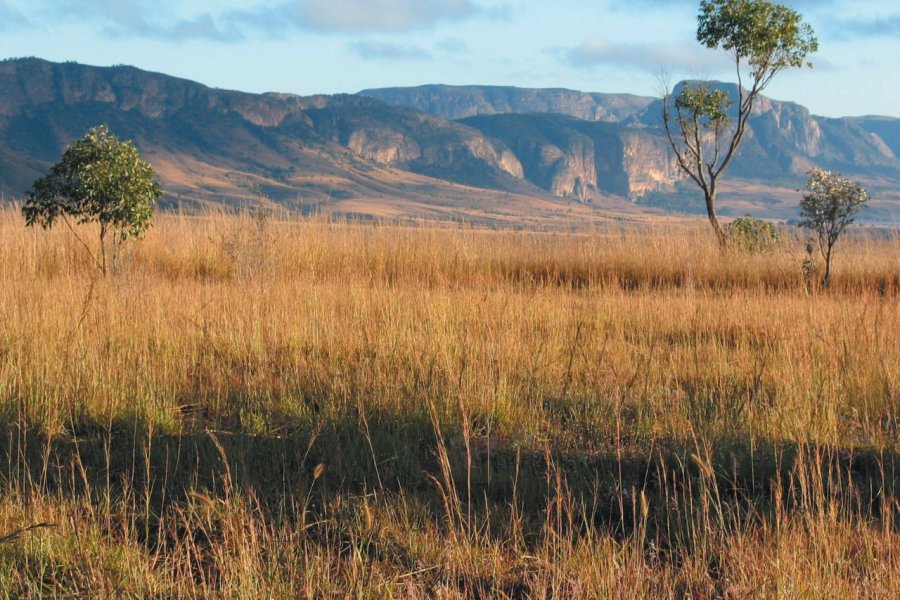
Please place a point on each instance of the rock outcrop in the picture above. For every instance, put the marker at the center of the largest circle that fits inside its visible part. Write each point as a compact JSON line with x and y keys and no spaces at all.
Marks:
{"x":570,"y":157}
{"x":885,"y":129}
{"x":216,"y":145}
{"x":459,"y":102}
{"x":281,"y":137}
{"x":783,"y":140}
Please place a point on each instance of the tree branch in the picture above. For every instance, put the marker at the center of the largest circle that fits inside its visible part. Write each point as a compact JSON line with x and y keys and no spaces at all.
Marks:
{"x":679,"y":156}
{"x":81,"y":241}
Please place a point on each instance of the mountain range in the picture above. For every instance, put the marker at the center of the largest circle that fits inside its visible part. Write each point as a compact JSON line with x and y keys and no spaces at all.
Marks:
{"x":476,"y":153}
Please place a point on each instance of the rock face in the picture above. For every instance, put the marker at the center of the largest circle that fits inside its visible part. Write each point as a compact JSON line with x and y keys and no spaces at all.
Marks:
{"x":552,"y":158}
{"x":459,"y":102}
{"x":648,"y":163}
{"x":783,"y":140}
{"x":213,"y":145}
{"x":570,"y":157}
{"x":414,"y":141}
{"x":885,"y":129}
{"x":32,"y":82}
{"x":280,"y":137}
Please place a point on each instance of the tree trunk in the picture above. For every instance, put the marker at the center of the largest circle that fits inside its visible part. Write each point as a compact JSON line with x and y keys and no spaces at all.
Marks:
{"x":103,"y":248}
{"x":826,"y":278}
{"x":714,"y":220}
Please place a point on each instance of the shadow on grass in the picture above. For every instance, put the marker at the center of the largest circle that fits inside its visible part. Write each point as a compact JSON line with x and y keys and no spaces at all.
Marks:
{"x":400,"y":454}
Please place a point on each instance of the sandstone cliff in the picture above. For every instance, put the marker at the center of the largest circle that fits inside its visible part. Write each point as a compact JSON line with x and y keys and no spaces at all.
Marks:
{"x":212,"y":145}
{"x":570,"y":157}
{"x":783,"y":140}
{"x":288,"y":141}
{"x":458,"y":102}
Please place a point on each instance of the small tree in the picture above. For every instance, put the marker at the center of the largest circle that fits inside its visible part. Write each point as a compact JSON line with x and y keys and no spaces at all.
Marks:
{"x":98,"y":180}
{"x":762,"y":38}
{"x":828,"y":208}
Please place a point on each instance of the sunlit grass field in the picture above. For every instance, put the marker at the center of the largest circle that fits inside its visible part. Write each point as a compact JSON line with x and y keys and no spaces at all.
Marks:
{"x":253,"y":406}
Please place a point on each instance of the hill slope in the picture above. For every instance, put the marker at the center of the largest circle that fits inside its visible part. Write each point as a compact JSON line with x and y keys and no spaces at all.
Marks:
{"x":357,"y":154}
{"x":575,"y":142}
{"x":345,"y":153}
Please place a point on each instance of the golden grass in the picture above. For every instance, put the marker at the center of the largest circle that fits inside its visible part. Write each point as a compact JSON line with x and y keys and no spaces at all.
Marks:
{"x":622,"y":412}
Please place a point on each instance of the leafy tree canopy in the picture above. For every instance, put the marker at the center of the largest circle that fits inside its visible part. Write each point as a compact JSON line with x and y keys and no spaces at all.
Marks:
{"x":769,"y":36}
{"x":706,"y":107}
{"x":98,"y":180}
{"x":831,"y":203}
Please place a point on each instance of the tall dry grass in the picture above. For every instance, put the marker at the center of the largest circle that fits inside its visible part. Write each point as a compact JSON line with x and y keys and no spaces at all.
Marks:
{"x":254,"y":406}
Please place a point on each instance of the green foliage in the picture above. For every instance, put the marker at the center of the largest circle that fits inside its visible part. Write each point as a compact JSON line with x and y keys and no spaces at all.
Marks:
{"x":99,"y":180}
{"x":703,"y":107}
{"x":769,"y":36}
{"x":828,"y":208}
{"x":831,"y":202}
{"x":752,"y":235}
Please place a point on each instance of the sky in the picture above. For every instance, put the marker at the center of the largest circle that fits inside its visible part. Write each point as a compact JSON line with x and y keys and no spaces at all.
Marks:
{"x":335,"y":46}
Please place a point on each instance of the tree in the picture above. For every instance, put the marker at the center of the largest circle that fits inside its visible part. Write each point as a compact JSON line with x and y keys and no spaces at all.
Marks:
{"x":98,"y":180}
{"x":828,"y":208}
{"x":762,"y":38}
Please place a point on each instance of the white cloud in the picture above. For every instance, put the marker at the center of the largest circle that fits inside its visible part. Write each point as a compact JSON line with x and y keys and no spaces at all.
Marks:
{"x":378,"y":15}
{"x":886,"y":26}
{"x":652,"y":57}
{"x":662,"y":4}
{"x":146,"y":18}
{"x":387,"y":51}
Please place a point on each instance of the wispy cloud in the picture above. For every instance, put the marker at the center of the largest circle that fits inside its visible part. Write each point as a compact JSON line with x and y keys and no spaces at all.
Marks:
{"x":652,"y":57}
{"x":880,"y":26}
{"x":203,"y":27}
{"x":145,"y":18}
{"x":124,"y":14}
{"x":665,"y":4}
{"x":138,"y":18}
{"x":387,"y":51}
{"x":377,"y":15}
{"x":10,"y":17}
{"x":453,"y":46}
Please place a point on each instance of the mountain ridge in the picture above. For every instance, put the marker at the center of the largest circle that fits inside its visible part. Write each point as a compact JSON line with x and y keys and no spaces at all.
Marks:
{"x":458,"y":102}
{"x":358,"y":154}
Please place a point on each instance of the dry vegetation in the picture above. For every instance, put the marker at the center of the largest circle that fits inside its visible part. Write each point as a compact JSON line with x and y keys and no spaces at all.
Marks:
{"x":257,"y":408}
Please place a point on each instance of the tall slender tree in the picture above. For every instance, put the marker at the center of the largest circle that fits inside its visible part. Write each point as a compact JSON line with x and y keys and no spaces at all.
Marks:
{"x":705,"y":126}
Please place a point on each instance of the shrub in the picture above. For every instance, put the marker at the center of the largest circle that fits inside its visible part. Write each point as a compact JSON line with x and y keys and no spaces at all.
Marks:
{"x":752,"y":235}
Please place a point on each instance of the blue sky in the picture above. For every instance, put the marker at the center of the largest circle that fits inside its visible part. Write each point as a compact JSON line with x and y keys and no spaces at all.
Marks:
{"x":329,"y":46}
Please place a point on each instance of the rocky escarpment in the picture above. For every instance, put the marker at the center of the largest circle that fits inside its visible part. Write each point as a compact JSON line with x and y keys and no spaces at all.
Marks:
{"x":570,"y":157}
{"x":32,"y":82}
{"x":459,"y":102}
{"x":784,"y":140}
{"x":415,"y":141}
{"x":886,"y":129}
{"x":648,"y":163}
{"x":45,"y":105}
{"x":226,"y":146}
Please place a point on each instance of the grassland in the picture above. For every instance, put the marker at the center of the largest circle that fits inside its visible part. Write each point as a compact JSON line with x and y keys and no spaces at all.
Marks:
{"x":253,"y":407}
